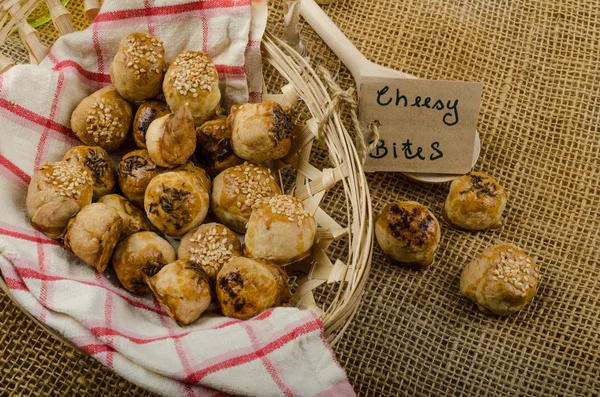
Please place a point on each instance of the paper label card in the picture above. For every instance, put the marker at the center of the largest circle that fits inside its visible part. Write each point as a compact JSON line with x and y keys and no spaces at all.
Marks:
{"x":425,"y":126}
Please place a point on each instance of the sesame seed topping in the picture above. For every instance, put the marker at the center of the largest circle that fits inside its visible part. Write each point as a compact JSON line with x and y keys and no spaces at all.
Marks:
{"x":146,"y":50}
{"x":192,"y":71}
{"x":289,"y":208}
{"x":516,"y":270}
{"x":101,"y":123}
{"x":250,"y":186}
{"x":211,"y":252}
{"x":67,"y":178}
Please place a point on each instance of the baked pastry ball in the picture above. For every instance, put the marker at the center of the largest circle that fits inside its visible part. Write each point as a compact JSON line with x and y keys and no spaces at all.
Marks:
{"x":134,"y":219}
{"x":176,"y":202}
{"x":280,"y":230}
{"x":501,"y":281}
{"x":93,"y":234}
{"x":213,"y":147}
{"x":171,"y":139}
{"x":198,"y":172}
{"x":138,"y":67}
{"x":182,"y":289}
{"x":192,"y":79}
{"x":146,"y":114}
{"x":97,"y":161}
{"x":475,"y":202}
{"x":142,"y":253}
{"x":210,"y":246}
{"x":408,"y":233}
{"x":260,"y":131}
{"x":102,"y":119}
{"x":56,"y":193}
{"x":136,"y":170}
{"x":237,"y":189}
{"x":247,"y":287}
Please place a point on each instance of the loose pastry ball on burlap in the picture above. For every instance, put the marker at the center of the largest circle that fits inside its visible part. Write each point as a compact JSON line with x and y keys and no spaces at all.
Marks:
{"x":56,"y":193}
{"x":210,"y":246}
{"x":280,"y":230}
{"x":182,"y":289}
{"x":145,"y":115}
{"x":134,"y":219}
{"x":93,"y":234}
{"x":260,"y":131}
{"x":97,"y":161}
{"x":136,"y":170}
{"x":192,"y":79}
{"x":198,"y":172}
{"x":176,"y":202}
{"x":247,"y":287}
{"x":408,"y":233}
{"x":501,"y":281}
{"x":102,"y":119}
{"x":138,"y":67}
{"x":171,"y":139}
{"x":143,"y":253}
{"x":213,"y":148}
{"x":475,"y":202}
{"x":237,"y":189}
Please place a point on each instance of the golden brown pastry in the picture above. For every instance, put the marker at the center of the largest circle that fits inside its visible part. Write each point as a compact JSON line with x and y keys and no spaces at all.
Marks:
{"x":171,"y":139}
{"x":134,"y":219}
{"x":93,"y":234}
{"x":138,"y":67}
{"x":176,"y":202}
{"x":192,"y":79}
{"x":182,"y":289}
{"x":210,"y":246}
{"x":237,"y":189}
{"x":475,"y":202}
{"x":260,"y":131}
{"x":102,"y":119}
{"x":408,"y":233}
{"x":247,"y":287}
{"x":97,"y":161}
{"x":198,"y":172}
{"x":213,"y":147}
{"x":146,"y":114}
{"x":142,"y":253}
{"x":280,"y":230}
{"x":136,"y":170}
{"x":501,"y":281}
{"x":56,"y":193}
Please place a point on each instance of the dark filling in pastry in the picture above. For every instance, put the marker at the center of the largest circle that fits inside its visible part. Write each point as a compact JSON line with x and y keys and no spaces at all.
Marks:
{"x":411,"y":226}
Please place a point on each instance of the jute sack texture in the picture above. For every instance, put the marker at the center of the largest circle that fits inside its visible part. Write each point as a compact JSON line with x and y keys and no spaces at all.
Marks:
{"x":539,"y":123}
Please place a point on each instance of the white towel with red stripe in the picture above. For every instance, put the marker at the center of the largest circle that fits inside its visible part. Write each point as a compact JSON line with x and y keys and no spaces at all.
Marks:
{"x":280,"y":352}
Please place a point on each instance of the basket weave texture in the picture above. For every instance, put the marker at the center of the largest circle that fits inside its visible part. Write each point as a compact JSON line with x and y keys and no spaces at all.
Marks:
{"x":540,"y":130}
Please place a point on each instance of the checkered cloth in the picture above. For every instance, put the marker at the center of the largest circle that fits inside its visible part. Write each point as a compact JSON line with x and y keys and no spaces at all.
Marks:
{"x":280,"y":352}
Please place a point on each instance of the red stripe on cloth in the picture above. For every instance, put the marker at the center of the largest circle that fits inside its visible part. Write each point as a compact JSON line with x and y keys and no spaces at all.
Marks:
{"x":204,"y":31}
{"x":105,"y":331}
{"x":19,"y":285}
{"x":167,"y":10}
{"x":42,"y":145}
{"x":267,"y":363}
{"x":226,"y":69}
{"x":22,"y":236}
{"x":98,"y":77}
{"x":12,"y":167}
{"x":311,"y":326}
{"x":36,"y":118}
{"x":181,"y":354}
{"x":25,"y":272}
{"x":96,"y":348}
{"x":108,"y":306}
{"x":148,"y":7}
{"x":97,"y":47}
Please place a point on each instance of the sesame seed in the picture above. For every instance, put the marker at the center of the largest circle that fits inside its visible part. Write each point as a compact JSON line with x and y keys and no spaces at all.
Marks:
{"x":66,"y":178}
{"x":192,"y":69}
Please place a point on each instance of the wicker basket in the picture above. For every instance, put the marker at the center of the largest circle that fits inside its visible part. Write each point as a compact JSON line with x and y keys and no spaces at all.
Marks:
{"x":331,"y":287}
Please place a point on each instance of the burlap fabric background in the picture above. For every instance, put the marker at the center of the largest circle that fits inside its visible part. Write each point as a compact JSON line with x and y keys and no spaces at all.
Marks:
{"x":540,"y":131}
